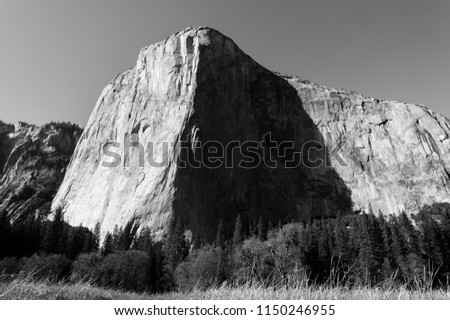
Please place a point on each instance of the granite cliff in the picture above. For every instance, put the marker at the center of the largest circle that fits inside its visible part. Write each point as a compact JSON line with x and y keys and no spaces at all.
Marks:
{"x":397,"y":154}
{"x":197,"y":86}
{"x":33,"y":161}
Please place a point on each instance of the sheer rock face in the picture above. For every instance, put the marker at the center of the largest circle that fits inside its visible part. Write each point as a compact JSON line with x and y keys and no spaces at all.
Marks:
{"x":33,"y":161}
{"x":197,"y":86}
{"x":397,"y":154}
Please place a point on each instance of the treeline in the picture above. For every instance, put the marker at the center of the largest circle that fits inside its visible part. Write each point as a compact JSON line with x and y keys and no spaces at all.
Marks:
{"x":356,"y":250}
{"x":64,"y":124}
{"x":41,"y":248}
{"x":35,"y":234}
{"x":53,"y":250}
{"x":364,"y":249}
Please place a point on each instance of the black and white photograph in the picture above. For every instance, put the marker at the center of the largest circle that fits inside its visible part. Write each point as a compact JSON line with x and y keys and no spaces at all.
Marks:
{"x":163,"y":150}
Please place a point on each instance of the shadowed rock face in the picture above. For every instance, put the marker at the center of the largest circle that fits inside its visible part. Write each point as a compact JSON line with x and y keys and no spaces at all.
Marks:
{"x":33,"y":161}
{"x":197,"y":86}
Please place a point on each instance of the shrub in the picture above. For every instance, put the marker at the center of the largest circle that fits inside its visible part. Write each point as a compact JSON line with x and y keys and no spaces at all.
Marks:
{"x":54,"y":267}
{"x":9,"y":266}
{"x":125,"y":269}
{"x":204,"y":268}
{"x":256,"y":260}
{"x":86,"y":267}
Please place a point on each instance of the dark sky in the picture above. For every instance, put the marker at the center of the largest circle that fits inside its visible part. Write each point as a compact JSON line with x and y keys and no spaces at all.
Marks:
{"x":57,"y":56}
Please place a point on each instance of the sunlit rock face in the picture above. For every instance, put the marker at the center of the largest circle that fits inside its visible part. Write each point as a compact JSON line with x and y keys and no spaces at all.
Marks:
{"x":33,"y":161}
{"x":197,"y":86}
{"x":397,"y":154}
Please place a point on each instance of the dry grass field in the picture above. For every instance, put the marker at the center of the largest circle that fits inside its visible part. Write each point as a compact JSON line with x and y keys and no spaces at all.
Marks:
{"x":29,"y":290}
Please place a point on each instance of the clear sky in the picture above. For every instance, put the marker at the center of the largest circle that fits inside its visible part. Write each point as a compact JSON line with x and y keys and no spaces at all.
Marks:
{"x":57,"y":56}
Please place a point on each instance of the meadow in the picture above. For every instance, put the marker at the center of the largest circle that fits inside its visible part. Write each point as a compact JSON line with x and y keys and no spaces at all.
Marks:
{"x":26,"y":289}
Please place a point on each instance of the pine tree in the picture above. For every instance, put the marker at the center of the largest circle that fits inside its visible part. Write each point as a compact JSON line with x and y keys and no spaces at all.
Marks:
{"x":376,"y":240}
{"x":432,"y":241}
{"x":252,"y":229}
{"x":108,"y":245}
{"x":409,"y":233}
{"x":262,"y":232}
{"x":434,"y":224}
{"x":322,"y":239}
{"x":89,"y":242}
{"x":143,"y":241}
{"x":323,"y":252}
{"x":5,"y":234}
{"x":196,"y":242}
{"x":64,"y":239}
{"x":399,"y":247}
{"x":220,"y":236}
{"x":238,"y":236}
{"x":175,"y":248}
{"x":353,"y":238}
{"x":18,"y":238}
{"x":54,"y":233}
{"x":370,"y":257}
{"x":157,"y":279}
{"x":127,"y":235}
{"x":386,"y":248}
{"x":33,"y":235}
{"x":445,"y":232}
{"x":116,"y":235}
{"x":280,"y":224}
{"x":270,"y":225}
{"x":310,"y":255}
{"x":330,"y":236}
{"x":370,"y":211}
{"x":342,"y":239}
{"x":75,"y":242}
{"x":97,"y":236}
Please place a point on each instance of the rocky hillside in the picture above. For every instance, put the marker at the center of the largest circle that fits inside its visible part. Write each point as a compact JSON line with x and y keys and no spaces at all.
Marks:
{"x":197,"y":86}
{"x":33,"y":161}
